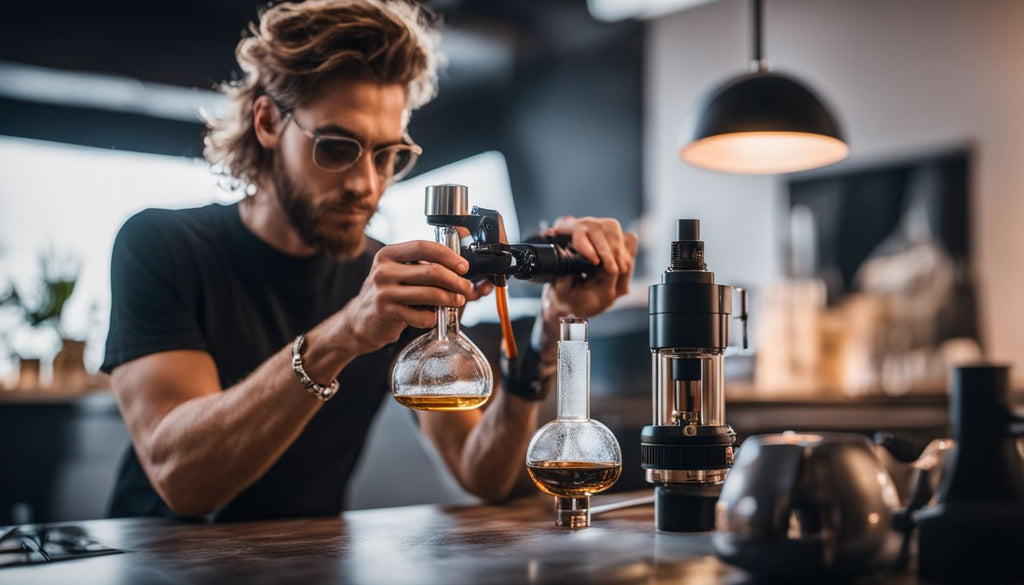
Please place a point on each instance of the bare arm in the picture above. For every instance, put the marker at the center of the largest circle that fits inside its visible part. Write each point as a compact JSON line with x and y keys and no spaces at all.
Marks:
{"x":200,"y":446}
{"x":486,"y":449}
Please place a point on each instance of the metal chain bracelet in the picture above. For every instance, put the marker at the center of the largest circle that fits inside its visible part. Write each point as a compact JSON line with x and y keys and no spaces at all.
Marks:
{"x":324,"y":393}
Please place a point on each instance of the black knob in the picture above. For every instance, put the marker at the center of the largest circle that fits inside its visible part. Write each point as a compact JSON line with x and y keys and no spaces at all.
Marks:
{"x":687,"y":230}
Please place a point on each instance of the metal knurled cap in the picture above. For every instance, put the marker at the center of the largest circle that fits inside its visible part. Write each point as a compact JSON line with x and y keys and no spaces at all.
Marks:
{"x":446,"y":199}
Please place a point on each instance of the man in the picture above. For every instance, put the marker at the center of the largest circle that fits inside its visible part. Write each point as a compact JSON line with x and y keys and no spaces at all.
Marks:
{"x":209,"y":304}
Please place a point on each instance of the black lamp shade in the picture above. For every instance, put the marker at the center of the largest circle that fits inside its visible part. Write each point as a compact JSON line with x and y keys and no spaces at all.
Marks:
{"x":762,"y":123}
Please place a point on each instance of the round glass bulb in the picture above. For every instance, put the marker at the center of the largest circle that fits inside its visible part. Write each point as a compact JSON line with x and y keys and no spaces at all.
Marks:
{"x":574,"y":458}
{"x":442,"y":373}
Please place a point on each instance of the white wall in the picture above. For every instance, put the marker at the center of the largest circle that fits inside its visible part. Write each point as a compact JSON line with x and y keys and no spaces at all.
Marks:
{"x":905,"y":77}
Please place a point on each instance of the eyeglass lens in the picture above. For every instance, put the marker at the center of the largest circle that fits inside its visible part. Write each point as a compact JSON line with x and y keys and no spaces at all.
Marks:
{"x":336,"y":154}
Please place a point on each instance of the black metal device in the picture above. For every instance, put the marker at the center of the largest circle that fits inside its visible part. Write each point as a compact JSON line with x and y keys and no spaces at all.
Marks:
{"x":975,"y":531}
{"x":539,"y":259}
{"x":688,"y":449}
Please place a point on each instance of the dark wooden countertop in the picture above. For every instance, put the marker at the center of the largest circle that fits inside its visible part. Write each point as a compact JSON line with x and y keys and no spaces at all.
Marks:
{"x":514,"y":543}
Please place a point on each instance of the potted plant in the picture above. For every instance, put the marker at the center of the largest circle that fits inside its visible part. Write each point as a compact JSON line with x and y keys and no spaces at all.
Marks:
{"x":44,"y":310}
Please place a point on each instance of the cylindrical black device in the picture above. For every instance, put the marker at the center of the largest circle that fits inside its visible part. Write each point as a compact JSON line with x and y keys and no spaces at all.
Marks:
{"x":984,"y":463}
{"x":539,"y":259}
{"x":546,"y":262}
{"x":533,"y":262}
{"x":975,"y":530}
{"x":688,"y":449}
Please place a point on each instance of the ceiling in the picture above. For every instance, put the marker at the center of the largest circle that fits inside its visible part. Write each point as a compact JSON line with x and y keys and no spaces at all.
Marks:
{"x":190,"y":43}
{"x":558,"y":92}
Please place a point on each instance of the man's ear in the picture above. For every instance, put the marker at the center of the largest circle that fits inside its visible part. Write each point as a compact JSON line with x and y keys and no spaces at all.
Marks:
{"x":266,"y":120}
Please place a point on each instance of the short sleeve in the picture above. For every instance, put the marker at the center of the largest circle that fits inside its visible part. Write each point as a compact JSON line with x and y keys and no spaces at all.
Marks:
{"x":152,"y":293}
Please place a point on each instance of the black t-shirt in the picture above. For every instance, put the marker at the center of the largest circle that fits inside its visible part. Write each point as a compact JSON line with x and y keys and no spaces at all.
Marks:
{"x":199,"y":279}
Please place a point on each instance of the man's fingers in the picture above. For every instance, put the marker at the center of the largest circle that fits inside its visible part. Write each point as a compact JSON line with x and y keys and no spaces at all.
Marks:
{"x":415,"y":317}
{"x":629,"y":242}
{"x":428,"y":275}
{"x":622,"y":283}
{"x":599,"y":242}
{"x":584,"y":246}
{"x":425,"y":296}
{"x":613,"y":231}
{"x":602,"y":242}
{"x":424,"y":251}
{"x":564,"y":224}
{"x":628,"y":251}
{"x":480,"y":290}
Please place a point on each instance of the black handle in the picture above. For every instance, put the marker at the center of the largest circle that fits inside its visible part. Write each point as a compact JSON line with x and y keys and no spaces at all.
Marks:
{"x":533,"y":262}
{"x":903,"y":449}
{"x":491,"y":261}
{"x":546,"y":262}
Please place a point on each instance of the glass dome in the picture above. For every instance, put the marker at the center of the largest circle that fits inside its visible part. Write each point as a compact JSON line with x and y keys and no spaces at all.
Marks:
{"x":442,"y":370}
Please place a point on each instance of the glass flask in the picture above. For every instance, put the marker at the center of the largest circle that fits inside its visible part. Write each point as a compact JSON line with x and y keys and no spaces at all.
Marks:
{"x":442,"y":370}
{"x":573,"y":456}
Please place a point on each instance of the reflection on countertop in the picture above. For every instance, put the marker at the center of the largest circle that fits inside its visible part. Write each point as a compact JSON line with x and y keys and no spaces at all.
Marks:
{"x":512,"y":543}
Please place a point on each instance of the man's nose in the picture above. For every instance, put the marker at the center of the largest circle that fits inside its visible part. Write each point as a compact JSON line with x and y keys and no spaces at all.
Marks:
{"x":362,"y":179}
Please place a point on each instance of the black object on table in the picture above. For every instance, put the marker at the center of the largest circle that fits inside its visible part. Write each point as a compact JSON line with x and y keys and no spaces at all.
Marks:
{"x":28,"y":545}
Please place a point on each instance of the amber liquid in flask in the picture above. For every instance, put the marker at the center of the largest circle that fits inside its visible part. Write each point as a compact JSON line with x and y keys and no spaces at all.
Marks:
{"x":440,"y":403}
{"x":572,"y":479}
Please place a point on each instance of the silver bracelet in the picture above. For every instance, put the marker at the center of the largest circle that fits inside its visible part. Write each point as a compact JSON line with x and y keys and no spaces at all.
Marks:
{"x":322,"y":392}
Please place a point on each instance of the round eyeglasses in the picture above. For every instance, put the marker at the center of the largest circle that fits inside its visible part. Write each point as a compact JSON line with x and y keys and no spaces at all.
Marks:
{"x":337,"y":154}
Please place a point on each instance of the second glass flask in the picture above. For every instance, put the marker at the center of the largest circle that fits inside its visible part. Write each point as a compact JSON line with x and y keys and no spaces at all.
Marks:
{"x":574,"y":456}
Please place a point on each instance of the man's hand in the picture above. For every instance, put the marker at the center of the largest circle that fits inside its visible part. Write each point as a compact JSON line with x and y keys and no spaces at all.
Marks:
{"x":405,"y":283}
{"x":602,"y":242}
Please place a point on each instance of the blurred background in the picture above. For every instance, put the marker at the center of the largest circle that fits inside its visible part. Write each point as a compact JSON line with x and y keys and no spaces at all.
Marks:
{"x":868,"y":278}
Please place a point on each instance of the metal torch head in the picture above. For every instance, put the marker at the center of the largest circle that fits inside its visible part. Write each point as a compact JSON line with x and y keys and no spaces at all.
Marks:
{"x":446,"y":199}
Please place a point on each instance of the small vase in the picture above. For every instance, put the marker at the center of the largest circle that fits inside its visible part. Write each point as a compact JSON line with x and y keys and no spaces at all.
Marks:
{"x":28,"y":374}
{"x":69,"y":373}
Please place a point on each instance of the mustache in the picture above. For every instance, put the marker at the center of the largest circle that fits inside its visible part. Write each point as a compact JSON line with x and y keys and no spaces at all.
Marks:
{"x":348,"y":202}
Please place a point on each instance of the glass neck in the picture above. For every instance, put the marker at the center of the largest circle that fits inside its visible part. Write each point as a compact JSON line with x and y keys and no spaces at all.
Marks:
{"x":446,"y":235}
{"x":447,"y":317}
{"x":447,"y":322}
{"x":573,"y":380}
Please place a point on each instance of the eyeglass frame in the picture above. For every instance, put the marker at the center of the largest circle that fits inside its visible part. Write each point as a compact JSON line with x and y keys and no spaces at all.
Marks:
{"x":414,"y":148}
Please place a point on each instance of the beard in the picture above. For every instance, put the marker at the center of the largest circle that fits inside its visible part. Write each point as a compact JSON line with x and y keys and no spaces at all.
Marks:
{"x":306,"y":218}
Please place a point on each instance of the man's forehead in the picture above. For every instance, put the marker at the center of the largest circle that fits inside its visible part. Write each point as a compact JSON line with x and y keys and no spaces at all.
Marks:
{"x":361,"y":108}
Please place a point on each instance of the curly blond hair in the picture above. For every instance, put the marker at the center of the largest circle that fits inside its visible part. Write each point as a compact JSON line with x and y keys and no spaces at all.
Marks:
{"x":297,"y":46}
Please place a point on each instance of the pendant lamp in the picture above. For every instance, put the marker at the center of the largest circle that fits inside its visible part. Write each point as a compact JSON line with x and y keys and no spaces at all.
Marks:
{"x":761,"y":123}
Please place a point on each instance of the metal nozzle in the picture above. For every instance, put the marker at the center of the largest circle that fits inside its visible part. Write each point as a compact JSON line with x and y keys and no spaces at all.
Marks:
{"x":446,"y":200}
{"x":572,"y":512}
{"x":573,"y":329}
{"x":688,"y":249}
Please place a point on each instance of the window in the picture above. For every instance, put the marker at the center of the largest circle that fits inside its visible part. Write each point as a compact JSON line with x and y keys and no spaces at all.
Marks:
{"x":400,"y":214}
{"x":70,"y":201}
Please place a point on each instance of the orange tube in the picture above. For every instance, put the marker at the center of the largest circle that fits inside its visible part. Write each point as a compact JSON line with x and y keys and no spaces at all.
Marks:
{"x":508,"y":338}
